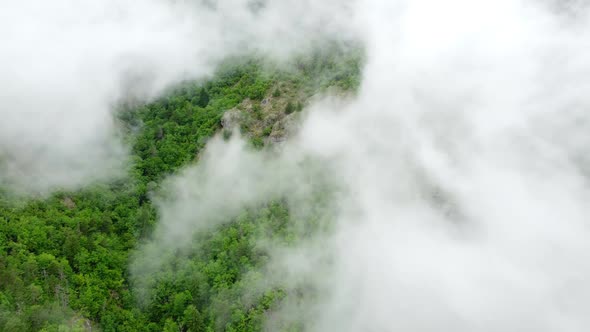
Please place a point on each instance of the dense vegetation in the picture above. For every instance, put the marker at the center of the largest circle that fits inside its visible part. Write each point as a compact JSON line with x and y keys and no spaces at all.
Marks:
{"x":64,"y":259}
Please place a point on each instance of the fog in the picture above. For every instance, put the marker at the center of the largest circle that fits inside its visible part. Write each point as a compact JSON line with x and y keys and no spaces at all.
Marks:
{"x":65,"y":65}
{"x":459,"y":173}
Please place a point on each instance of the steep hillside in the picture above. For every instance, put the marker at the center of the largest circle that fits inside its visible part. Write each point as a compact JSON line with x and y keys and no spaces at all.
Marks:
{"x":64,"y":259}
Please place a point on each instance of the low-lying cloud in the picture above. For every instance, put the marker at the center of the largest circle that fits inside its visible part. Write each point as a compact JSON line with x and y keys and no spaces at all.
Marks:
{"x":461,"y":165}
{"x":462,"y":176}
{"x":65,"y":65}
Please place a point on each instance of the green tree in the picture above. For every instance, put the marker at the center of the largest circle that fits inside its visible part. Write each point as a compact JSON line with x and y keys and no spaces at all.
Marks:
{"x":289,"y":108}
{"x":193,"y":320}
{"x":203,"y":100}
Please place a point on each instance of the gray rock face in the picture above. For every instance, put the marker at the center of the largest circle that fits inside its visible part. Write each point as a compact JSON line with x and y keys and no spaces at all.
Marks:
{"x":284,"y":128}
{"x":231,"y":118}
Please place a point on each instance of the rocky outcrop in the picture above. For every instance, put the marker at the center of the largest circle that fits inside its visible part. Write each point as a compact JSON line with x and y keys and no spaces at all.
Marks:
{"x":284,"y":128}
{"x":231,"y":119}
{"x":68,"y":202}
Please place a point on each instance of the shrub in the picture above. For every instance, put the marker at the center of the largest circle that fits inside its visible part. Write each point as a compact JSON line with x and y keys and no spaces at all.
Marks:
{"x":290,"y":108}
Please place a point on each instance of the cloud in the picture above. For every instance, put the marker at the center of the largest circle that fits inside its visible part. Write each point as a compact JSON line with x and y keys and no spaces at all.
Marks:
{"x":461,"y":174}
{"x":65,"y":64}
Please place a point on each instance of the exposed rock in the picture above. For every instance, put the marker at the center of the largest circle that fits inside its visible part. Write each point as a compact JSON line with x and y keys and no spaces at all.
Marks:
{"x":284,"y":128}
{"x":246,"y":105}
{"x":266,"y":118}
{"x":160,"y":133}
{"x":68,"y":202}
{"x":231,"y":118}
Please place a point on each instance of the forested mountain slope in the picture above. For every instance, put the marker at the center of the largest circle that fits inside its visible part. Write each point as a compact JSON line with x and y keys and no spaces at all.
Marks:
{"x":64,"y":259}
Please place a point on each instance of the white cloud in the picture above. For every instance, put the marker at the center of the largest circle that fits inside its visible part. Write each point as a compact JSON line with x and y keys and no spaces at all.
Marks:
{"x":64,"y":64}
{"x":462,"y":165}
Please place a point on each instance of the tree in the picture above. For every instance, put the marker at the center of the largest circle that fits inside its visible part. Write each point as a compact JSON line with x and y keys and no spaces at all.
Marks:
{"x":193,"y":320}
{"x":203,"y":100}
{"x":290,"y":108}
{"x":170,"y":326}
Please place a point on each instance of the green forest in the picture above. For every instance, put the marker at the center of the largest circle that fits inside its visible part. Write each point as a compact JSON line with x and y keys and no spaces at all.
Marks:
{"x":65,"y":258}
